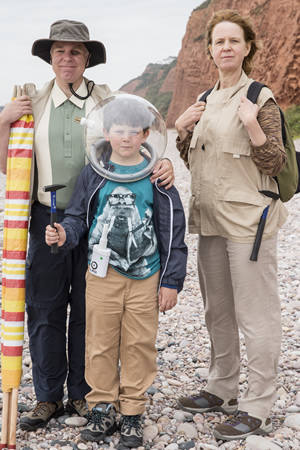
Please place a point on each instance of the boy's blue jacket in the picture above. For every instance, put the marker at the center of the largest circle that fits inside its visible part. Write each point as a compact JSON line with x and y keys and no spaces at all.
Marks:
{"x":168,"y":220}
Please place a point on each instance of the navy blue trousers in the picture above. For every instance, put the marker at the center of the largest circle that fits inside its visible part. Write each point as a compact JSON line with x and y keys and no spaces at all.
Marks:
{"x":55,"y":286}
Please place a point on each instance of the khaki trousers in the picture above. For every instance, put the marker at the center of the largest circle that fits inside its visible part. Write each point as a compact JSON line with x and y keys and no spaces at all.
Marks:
{"x":241,"y":294}
{"x":121,"y":327}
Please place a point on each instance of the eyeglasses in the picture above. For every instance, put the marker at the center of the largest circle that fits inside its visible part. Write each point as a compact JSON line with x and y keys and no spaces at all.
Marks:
{"x":117,"y":198}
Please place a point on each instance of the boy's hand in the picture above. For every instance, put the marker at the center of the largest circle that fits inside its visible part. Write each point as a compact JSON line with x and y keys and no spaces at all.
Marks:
{"x":55,"y":236}
{"x":167,"y":298}
{"x":163,"y":170}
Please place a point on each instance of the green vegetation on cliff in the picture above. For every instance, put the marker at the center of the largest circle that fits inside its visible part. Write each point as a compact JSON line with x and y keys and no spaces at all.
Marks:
{"x":151,"y":82}
{"x":293,"y":117}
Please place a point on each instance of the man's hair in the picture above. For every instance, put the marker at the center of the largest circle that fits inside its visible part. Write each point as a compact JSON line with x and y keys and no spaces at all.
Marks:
{"x":229,"y":15}
{"x":127,"y":111}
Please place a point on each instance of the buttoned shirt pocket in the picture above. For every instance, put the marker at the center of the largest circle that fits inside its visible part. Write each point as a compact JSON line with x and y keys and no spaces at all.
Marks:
{"x":235,"y":169}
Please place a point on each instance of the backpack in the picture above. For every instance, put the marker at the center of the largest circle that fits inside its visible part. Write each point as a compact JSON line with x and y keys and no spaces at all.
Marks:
{"x":288,"y":179}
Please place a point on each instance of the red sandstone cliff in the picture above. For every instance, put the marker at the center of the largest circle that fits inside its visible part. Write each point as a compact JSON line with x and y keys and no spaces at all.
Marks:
{"x":277,"y":23}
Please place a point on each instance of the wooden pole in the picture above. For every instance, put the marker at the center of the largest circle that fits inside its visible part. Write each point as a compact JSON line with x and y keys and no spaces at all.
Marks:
{"x":5,"y":419}
{"x":13,"y":419}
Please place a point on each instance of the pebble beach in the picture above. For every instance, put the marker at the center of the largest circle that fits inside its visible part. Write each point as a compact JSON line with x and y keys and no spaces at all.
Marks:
{"x":183,"y":359}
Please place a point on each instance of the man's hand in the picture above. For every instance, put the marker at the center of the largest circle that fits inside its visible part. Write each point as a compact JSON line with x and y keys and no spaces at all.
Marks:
{"x":15,"y":109}
{"x":12,"y":111}
{"x":55,"y":235}
{"x":163,"y":170}
{"x":167,"y":298}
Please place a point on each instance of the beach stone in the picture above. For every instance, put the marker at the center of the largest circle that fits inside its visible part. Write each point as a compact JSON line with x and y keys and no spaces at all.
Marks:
{"x":163,"y":438}
{"x":202,"y":372}
{"x":293,"y":421}
{"x":174,"y":382}
{"x":184,"y":379}
{"x":76,"y":421}
{"x":159,"y":396}
{"x":150,"y":433}
{"x":260,"y":443}
{"x":167,"y":391}
{"x":171,"y":357}
{"x":188,"y":429}
{"x":186,"y":445}
{"x":172,"y":447}
{"x":27,"y":361}
{"x":82,"y":446}
{"x":179,"y":416}
{"x":152,"y":390}
{"x":293,"y":409}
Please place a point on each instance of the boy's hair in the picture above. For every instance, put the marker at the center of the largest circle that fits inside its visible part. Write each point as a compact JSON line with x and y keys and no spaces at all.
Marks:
{"x":127,"y":111}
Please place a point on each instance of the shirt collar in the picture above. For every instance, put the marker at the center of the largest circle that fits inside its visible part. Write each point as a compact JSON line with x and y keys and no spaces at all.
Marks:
{"x":59,"y":97}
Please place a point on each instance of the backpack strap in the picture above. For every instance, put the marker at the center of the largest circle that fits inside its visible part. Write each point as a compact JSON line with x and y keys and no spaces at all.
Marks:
{"x":204,"y":96}
{"x":254,"y":90}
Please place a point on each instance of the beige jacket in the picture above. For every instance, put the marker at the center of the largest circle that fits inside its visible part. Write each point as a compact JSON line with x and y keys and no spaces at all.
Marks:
{"x":225,"y":182}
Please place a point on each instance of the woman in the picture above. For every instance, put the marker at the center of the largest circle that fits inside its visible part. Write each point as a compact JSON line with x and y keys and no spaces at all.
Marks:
{"x":232,"y":153}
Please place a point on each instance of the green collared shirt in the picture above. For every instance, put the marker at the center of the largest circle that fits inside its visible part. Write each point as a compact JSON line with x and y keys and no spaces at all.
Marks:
{"x":59,"y":144}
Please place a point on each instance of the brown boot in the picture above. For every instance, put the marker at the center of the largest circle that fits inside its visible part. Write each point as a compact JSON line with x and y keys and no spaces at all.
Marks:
{"x":41,"y":414}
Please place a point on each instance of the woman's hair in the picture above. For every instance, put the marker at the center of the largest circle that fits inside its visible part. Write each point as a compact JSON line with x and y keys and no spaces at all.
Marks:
{"x":229,"y":15}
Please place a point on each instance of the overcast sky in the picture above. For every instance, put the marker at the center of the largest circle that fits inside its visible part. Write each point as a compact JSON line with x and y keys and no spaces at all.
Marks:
{"x":134,"y":32}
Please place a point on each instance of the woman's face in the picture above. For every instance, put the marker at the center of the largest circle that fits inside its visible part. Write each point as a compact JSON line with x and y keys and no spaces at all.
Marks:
{"x":228,"y":47}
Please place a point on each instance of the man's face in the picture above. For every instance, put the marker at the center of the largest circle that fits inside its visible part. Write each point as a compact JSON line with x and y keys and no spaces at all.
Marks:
{"x":69,"y":61}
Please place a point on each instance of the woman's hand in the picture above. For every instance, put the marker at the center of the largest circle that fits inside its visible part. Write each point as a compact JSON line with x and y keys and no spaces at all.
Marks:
{"x":247,"y":113}
{"x":188,"y":119}
{"x":163,"y":170}
{"x":55,"y":235}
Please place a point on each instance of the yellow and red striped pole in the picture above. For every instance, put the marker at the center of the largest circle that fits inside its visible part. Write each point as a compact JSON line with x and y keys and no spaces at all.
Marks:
{"x":16,"y":217}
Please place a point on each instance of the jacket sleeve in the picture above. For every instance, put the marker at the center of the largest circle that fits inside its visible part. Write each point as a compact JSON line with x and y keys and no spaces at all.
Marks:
{"x":169,"y":223}
{"x":75,"y":221}
{"x":269,"y":157}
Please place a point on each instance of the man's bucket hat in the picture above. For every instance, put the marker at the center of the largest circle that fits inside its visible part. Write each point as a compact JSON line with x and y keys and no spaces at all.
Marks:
{"x":69,"y":31}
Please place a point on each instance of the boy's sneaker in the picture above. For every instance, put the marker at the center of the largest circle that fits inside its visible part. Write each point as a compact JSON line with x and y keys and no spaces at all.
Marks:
{"x":131,"y":431}
{"x":206,"y":402}
{"x":78,"y":407}
{"x":241,"y":426}
{"x":41,"y":414}
{"x":102,"y":422}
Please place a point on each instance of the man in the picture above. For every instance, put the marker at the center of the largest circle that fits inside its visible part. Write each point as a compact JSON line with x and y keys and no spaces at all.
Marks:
{"x":56,"y":282}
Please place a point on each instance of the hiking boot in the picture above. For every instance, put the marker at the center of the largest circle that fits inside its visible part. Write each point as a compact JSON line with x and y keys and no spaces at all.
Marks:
{"x":241,"y":426}
{"x":131,"y":431}
{"x":41,"y":414}
{"x":78,"y":407}
{"x":101,"y":423}
{"x":206,"y":402}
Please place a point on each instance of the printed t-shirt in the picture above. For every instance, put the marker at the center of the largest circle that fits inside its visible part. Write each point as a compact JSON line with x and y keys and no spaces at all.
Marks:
{"x":127,"y":208}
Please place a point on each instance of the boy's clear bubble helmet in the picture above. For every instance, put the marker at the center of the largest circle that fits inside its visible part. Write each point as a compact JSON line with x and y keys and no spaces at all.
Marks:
{"x":130,"y":110}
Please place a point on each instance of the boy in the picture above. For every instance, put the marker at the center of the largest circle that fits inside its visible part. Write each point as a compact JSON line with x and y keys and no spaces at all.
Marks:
{"x":147,"y":267}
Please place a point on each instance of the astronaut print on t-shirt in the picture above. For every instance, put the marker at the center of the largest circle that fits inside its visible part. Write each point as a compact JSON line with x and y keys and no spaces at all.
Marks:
{"x":131,"y":237}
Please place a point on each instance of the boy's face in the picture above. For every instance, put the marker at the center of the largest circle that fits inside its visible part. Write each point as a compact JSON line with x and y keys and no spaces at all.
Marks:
{"x":125,"y":142}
